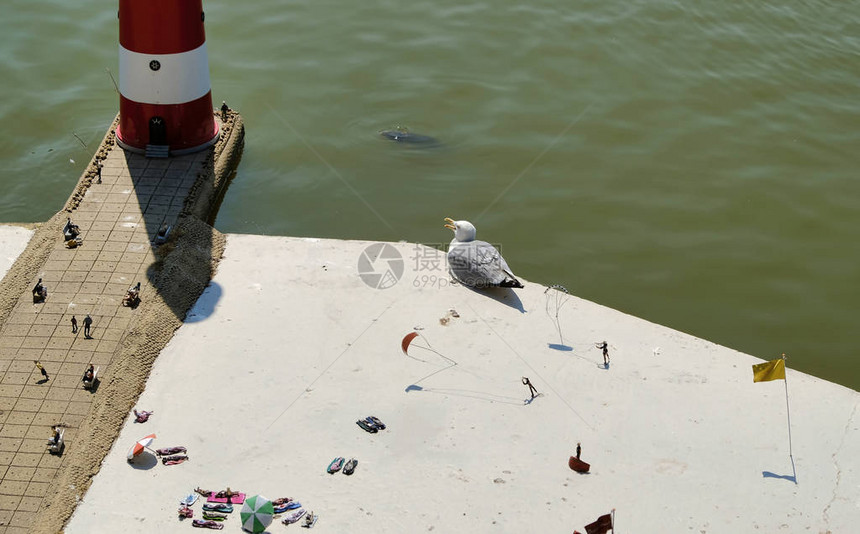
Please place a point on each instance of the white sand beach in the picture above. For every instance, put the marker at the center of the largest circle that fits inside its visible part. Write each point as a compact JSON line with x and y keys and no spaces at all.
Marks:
{"x":288,"y":347}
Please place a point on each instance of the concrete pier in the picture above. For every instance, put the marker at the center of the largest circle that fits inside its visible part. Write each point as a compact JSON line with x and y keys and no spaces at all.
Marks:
{"x":119,"y":214}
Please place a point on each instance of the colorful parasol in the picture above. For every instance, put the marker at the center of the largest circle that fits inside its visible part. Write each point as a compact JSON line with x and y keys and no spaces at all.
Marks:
{"x":137,"y":448}
{"x":256,"y":513}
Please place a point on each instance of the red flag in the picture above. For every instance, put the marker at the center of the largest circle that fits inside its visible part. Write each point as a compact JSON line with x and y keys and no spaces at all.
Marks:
{"x":601,"y":526}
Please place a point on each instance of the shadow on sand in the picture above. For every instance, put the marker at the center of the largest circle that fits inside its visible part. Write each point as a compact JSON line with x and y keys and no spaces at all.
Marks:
{"x":467,"y":393}
{"x":768,"y":474}
{"x":144,"y":461}
{"x":205,"y":305}
{"x":166,"y":190}
{"x":502,"y":295}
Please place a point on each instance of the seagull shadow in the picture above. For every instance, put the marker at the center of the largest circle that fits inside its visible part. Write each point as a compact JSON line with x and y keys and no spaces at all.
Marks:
{"x":502,"y":295}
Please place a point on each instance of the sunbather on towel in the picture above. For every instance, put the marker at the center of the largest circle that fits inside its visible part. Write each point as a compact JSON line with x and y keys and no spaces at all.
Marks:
{"x":142,"y":416}
{"x":207,"y":524}
{"x":218,"y":507}
{"x":173,"y":460}
{"x":203,"y":492}
{"x":173,"y":450}
{"x":228,"y":493}
{"x":293,"y":516}
{"x":281,"y":501}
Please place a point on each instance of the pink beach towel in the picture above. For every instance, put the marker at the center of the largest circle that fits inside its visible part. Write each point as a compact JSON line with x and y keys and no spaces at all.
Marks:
{"x":239,"y":498}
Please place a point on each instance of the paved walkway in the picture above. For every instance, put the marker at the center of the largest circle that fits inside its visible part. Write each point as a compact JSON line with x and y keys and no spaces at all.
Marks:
{"x":118,"y":219}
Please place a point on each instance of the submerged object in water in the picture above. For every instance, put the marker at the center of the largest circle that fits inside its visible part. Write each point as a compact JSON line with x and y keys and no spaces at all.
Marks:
{"x":402,"y":135}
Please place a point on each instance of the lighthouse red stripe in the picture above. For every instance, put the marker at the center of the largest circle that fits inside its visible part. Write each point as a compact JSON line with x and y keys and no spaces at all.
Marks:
{"x":161,"y":26}
{"x":187,"y":125}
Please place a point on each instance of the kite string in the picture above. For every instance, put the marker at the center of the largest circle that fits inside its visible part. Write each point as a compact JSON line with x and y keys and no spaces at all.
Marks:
{"x":326,"y":370}
{"x":533,"y":370}
{"x":451,"y":363}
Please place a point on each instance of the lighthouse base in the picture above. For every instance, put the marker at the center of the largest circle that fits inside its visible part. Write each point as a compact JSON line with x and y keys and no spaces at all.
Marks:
{"x":171,"y":152}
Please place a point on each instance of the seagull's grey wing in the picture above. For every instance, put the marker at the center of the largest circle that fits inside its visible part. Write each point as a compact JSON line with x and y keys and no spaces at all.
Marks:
{"x":477,"y":264}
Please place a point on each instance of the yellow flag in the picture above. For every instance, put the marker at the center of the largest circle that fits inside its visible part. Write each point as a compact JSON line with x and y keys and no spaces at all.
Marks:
{"x":772,"y":370}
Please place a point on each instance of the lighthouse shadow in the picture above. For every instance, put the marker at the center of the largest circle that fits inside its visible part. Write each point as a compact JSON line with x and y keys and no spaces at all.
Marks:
{"x":178,"y":198}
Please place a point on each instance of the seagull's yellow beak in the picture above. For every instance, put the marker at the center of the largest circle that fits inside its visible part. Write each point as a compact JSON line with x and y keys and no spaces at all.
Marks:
{"x":449,"y":223}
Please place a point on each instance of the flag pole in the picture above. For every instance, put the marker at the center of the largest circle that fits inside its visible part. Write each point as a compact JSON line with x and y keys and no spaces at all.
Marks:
{"x":788,"y":415}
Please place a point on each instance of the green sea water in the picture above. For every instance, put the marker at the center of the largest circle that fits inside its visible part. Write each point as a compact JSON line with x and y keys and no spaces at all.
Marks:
{"x":692,"y":163}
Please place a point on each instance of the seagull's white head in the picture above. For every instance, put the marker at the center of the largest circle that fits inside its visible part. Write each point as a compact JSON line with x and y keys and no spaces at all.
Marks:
{"x":464,"y":231}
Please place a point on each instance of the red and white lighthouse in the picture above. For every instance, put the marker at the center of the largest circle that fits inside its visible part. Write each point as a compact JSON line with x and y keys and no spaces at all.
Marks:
{"x":165,"y":93}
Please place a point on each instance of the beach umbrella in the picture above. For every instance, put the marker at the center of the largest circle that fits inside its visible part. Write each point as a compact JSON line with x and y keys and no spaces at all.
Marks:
{"x":137,"y":448}
{"x":256,"y":513}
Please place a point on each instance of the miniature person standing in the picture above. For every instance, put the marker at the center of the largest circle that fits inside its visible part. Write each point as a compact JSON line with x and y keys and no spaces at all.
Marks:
{"x":605,"y":349}
{"x":88,"y":321}
{"x":99,"y":170}
{"x":74,"y":325}
{"x":41,"y":369}
{"x":532,"y":389}
{"x":224,"y":110}
{"x":578,"y":450}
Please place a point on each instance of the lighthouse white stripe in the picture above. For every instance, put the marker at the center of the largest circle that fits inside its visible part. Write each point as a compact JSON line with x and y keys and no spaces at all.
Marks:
{"x":181,"y":77}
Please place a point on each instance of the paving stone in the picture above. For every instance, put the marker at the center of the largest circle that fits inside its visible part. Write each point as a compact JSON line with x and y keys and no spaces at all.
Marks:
{"x":45,"y":330}
{"x":9,"y":391}
{"x":5,"y":516}
{"x":53,"y":406}
{"x":15,"y":378}
{"x":28,"y":405}
{"x":60,"y":393}
{"x":50,"y":318}
{"x":14,"y":431}
{"x":51,"y":461}
{"x":22,"y":365}
{"x":36,"y":489}
{"x":37,"y":442}
{"x":30,"y":504}
{"x":35,"y":343}
{"x":20,"y":474}
{"x":21,"y":519}
{"x":37,"y":391}
{"x":44,"y":475}
{"x":19,"y":419}
{"x":53,"y":355}
{"x":9,"y":502}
